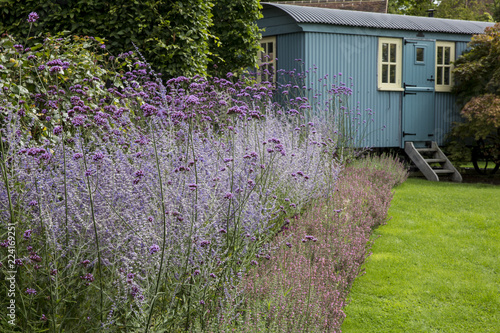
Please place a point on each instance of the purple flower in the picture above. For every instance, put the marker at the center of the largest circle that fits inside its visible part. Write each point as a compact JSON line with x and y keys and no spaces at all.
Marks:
{"x":288,"y":244}
{"x":196,"y":272}
{"x":154,"y":248}
{"x":88,"y":277}
{"x":192,"y":187}
{"x":35,"y":257}
{"x":148,"y":109}
{"x":228,"y":196}
{"x":55,"y":69}
{"x":254,"y":262}
{"x":57,"y":130}
{"x":222,"y":231}
{"x":33,"y":203}
{"x":78,"y":120}
{"x":55,"y":62}
{"x":18,"y":47}
{"x":202,"y":302}
{"x":33,"y":17}
{"x":77,"y":156}
{"x":27,"y":234}
{"x":98,"y":156}
{"x":41,"y":67}
{"x":212,"y":275}
{"x":204,"y":243}
{"x":43,"y":317}
{"x":30,"y":291}
{"x":53,"y":272}
{"x":85,"y":262}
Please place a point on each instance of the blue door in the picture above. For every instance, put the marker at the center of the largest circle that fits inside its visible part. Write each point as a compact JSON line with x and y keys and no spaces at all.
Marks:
{"x":418,"y":95}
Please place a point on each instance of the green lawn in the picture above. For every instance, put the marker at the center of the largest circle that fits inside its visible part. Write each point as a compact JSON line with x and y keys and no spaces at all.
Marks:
{"x":435,"y":266}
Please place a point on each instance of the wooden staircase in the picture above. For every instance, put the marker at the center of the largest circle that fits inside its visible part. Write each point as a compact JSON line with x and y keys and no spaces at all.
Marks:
{"x":432,"y":162}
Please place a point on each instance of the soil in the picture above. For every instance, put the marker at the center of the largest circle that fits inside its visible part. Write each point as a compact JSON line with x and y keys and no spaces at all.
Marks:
{"x":471,"y":176}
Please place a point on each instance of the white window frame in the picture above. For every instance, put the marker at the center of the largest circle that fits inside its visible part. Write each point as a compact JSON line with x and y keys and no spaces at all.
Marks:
{"x":441,"y":86}
{"x":395,"y":86}
{"x":264,"y":58}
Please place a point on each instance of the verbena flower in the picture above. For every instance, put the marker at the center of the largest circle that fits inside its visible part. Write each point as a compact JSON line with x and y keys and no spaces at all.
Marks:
{"x":30,"y":291}
{"x":33,"y":17}
{"x":154,"y":248}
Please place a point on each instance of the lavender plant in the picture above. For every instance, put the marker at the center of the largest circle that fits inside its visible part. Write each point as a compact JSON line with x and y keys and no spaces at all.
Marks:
{"x":142,"y":205}
{"x":305,"y":284}
{"x":327,"y":101}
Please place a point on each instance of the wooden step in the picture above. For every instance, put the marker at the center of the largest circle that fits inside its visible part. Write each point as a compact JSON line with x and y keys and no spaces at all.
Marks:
{"x":426,"y":150}
{"x":432,"y":173}
{"x":435,"y":160}
{"x":443,"y":171}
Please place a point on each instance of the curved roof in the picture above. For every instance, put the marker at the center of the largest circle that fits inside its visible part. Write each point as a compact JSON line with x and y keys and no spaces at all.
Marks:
{"x":307,"y":14}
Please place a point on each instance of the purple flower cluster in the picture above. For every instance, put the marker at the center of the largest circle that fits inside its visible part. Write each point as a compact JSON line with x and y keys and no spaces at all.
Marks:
{"x":33,"y":17}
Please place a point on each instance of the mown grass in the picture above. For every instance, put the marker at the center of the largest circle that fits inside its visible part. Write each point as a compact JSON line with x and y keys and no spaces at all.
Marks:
{"x":435,"y":266}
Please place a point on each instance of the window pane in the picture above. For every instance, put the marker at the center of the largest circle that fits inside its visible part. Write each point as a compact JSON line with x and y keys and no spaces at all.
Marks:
{"x":385,"y":72}
{"x":440,"y":55}
{"x":439,"y":75}
{"x":447,"y":75}
{"x":270,"y":48}
{"x":447,"y":55}
{"x":420,"y":54}
{"x":385,"y":52}
{"x":392,"y":74}
{"x":393,"y":53}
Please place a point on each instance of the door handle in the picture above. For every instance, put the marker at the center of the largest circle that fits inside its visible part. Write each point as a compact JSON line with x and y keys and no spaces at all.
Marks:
{"x":431,"y":79}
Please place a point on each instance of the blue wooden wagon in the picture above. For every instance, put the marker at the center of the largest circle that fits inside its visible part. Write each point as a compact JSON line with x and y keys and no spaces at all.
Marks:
{"x":401,"y":67}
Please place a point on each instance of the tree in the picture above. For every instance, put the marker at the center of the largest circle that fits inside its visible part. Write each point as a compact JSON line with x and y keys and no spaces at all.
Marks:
{"x":478,"y":89}
{"x":410,"y":7}
{"x":177,"y":37}
{"x":237,"y":43}
{"x":474,"y":10}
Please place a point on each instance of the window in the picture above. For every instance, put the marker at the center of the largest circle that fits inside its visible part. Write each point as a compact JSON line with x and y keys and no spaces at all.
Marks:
{"x":389,"y":63}
{"x":445,"y":55}
{"x":419,"y":55}
{"x":267,"y":60}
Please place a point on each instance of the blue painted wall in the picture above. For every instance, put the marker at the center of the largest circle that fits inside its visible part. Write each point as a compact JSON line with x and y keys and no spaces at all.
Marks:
{"x":352,"y":51}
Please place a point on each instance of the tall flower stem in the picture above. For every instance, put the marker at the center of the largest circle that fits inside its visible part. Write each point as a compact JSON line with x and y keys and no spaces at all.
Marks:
{"x":164,"y":221}
{"x":94,"y":222}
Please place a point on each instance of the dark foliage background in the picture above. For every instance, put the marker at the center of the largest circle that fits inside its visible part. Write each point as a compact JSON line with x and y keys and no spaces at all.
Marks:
{"x":178,"y":37}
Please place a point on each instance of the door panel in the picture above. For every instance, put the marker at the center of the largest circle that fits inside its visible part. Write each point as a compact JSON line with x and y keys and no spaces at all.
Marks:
{"x":418,"y":81}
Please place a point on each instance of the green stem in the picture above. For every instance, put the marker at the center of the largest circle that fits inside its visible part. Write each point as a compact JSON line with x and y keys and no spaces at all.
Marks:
{"x":96,"y":236}
{"x":164,"y":227}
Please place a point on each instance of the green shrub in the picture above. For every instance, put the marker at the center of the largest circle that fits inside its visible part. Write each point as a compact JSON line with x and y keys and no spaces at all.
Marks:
{"x":393,"y":168}
{"x":177,"y":37}
{"x":45,"y":81}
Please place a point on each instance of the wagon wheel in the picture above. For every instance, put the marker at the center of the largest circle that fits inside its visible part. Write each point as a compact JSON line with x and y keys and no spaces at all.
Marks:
{"x":488,"y":154}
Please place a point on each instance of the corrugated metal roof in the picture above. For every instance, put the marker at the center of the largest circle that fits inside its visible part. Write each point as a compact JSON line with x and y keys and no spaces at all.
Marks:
{"x":307,"y":14}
